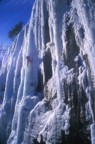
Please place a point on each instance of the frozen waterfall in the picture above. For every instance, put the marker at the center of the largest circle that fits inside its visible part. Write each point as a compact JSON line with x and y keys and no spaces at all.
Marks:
{"x":47,"y":77}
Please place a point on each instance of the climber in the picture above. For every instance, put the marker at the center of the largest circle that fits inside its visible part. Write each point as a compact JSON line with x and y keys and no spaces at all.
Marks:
{"x":28,"y":58}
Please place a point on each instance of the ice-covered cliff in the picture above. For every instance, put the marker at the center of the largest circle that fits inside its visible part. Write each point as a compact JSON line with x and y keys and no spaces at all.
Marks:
{"x":47,"y":77}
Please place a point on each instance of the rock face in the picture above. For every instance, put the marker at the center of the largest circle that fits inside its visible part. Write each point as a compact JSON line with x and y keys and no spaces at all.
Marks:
{"x":47,"y":77}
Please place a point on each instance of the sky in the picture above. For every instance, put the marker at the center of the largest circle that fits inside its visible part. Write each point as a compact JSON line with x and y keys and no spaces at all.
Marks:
{"x":11,"y":13}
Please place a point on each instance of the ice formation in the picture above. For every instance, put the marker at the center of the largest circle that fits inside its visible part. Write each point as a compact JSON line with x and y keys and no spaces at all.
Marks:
{"x":47,"y":77}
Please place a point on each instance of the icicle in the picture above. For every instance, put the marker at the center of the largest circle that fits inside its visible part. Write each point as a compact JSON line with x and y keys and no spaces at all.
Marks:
{"x":93,"y":133}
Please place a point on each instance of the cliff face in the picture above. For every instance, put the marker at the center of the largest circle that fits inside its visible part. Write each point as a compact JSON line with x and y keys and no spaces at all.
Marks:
{"x":47,"y":78}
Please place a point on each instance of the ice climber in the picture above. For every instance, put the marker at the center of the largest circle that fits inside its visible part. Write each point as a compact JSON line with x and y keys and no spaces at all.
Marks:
{"x":28,"y":58}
